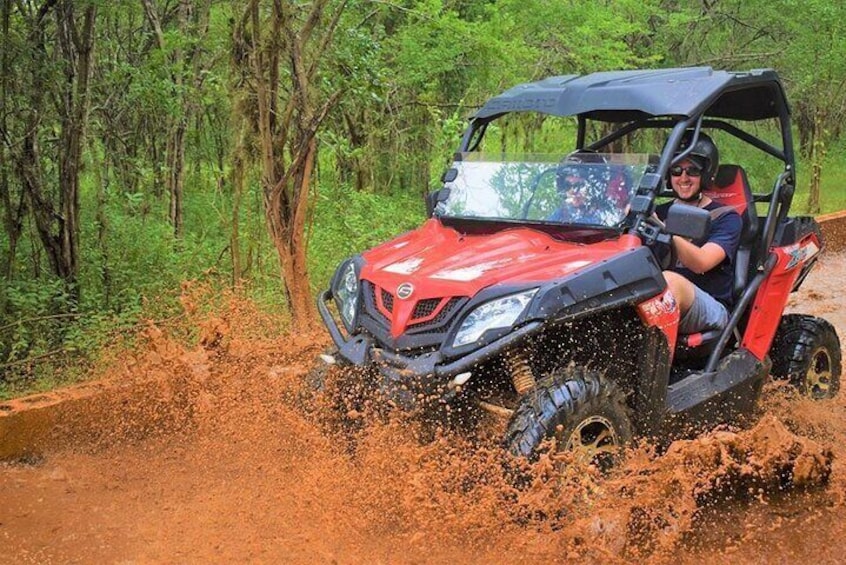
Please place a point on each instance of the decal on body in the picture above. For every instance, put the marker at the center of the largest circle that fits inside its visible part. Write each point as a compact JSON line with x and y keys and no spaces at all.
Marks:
{"x":801,"y":254}
{"x":660,"y":305}
{"x":406,"y":267}
{"x":465,"y":274}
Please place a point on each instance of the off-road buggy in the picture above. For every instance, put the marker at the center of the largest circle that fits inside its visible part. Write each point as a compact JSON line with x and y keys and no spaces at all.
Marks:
{"x":543,"y":301}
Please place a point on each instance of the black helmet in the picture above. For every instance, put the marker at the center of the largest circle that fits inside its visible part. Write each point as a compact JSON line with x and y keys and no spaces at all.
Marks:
{"x":704,"y":152}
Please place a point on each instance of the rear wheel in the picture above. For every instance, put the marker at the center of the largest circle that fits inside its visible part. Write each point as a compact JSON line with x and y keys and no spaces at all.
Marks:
{"x":584,"y":412}
{"x":806,"y":352}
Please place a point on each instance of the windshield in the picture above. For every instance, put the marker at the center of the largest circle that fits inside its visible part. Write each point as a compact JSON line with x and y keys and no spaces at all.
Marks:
{"x":590,"y":189}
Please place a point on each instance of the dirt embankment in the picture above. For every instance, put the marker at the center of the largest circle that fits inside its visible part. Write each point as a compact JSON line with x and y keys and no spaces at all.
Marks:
{"x":206,"y":454}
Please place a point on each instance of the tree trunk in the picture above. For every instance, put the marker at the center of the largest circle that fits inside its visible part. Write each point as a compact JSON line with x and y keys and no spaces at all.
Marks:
{"x":184,"y":85}
{"x":287,"y":135}
{"x":155,"y":153}
{"x":806,"y":124}
{"x":27,"y":159}
{"x":291,"y":249}
{"x":817,"y":156}
{"x":14,"y":210}
{"x":176,"y":176}
{"x":237,"y":176}
{"x":353,"y":166}
{"x":101,"y":181}
{"x":28,"y":166}
{"x":77,"y":46}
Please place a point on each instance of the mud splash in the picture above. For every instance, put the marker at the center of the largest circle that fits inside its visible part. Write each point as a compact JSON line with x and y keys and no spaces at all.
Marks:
{"x":219,"y":462}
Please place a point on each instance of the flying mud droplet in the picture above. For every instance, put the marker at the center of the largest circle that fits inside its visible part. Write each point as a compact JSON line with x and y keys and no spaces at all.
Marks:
{"x":223,"y":453}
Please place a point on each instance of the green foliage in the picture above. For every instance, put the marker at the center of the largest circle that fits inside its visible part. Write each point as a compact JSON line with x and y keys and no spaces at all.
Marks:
{"x":36,"y":304}
{"x":347,"y":222}
{"x":578,"y":36}
{"x":411,"y":72}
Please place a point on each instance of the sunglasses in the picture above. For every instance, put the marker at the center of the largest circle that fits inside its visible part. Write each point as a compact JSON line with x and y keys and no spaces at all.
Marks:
{"x":691,"y":170}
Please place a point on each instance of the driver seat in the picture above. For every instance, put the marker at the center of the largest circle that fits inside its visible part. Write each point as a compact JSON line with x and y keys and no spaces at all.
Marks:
{"x":731,"y":188}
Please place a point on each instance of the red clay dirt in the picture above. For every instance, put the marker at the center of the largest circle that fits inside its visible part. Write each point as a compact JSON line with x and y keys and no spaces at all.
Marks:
{"x":209,"y":454}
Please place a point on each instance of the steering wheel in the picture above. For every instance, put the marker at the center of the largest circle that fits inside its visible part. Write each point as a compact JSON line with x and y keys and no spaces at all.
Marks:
{"x":664,"y":252}
{"x":650,"y":229}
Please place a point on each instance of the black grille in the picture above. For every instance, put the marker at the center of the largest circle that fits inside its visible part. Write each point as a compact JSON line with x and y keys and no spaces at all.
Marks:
{"x":370,"y":303}
{"x":443,"y":316}
{"x":417,"y":336}
{"x":371,"y":291}
{"x":425,"y":308}
{"x":387,"y":300}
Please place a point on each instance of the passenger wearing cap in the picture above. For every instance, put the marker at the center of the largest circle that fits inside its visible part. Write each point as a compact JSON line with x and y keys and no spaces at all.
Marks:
{"x":702,"y":277}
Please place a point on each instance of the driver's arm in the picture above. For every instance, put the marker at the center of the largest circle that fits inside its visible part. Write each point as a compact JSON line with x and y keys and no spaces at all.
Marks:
{"x":722,"y":242}
{"x":698,"y":259}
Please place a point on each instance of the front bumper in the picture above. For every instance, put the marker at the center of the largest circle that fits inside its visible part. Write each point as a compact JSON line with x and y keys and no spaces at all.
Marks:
{"x":425,"y":374}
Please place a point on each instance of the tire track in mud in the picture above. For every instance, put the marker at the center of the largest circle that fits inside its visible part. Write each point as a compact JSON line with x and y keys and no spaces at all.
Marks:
{"x":204,"y":454}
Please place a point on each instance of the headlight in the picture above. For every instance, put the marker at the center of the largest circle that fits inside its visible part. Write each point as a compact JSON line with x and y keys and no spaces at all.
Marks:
{"x":499,"y":313}
{"x":346,"y":294}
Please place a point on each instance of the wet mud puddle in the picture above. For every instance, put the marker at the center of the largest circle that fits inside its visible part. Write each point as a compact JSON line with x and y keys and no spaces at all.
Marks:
{"x":235,"y":470}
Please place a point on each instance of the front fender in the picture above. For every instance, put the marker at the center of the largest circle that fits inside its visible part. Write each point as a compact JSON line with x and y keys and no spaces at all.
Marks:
{"x":627,"y":278}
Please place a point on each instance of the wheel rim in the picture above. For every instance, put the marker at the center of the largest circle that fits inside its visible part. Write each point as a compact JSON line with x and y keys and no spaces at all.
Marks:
{"x":594,"y":441}
{"x":818,"y":376}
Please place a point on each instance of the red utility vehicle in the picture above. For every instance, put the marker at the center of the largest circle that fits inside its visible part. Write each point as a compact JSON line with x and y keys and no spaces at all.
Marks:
{"x":535,"y":289}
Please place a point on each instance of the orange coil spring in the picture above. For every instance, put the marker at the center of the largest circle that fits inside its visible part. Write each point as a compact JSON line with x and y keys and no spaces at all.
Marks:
{"x":521,"y":373}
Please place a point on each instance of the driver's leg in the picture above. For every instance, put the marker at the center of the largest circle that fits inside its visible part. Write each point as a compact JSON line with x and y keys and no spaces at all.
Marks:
{"x":682,"y":290}
{"x":699,"y":310}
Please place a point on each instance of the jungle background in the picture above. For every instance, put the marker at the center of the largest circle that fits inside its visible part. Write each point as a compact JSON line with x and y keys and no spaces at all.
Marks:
{"x":249,"y":145}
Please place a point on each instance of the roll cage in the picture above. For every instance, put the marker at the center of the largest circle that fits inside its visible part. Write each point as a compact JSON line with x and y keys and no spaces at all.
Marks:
{"x":676,"y":99}
{"x":670,"y":99}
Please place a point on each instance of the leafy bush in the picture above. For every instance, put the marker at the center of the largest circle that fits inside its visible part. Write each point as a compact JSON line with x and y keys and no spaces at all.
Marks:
{"x":347,"y":222}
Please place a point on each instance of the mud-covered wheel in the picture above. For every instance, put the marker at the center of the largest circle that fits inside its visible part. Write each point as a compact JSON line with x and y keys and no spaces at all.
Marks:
{"x":336,"y":395}
{"x":318,"y":375}
{"x":584,"y":412}
{"x":806,"y":352}
{"x":323,"y":386}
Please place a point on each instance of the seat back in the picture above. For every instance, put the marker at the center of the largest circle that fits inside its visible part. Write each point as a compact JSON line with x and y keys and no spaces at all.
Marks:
{"x":731,"y":188}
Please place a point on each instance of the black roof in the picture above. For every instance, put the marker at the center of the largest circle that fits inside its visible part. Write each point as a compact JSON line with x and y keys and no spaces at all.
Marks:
{"x":621,"y":96}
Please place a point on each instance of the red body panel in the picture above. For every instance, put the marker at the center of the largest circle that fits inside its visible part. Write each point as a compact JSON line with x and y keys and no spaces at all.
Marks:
{"x":772,"y":296}
{"x":439,"y":262}
{"x":662,"y":311}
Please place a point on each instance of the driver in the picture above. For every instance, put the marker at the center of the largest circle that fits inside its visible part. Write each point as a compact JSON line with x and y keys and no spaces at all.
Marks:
{"x":702,"y":278}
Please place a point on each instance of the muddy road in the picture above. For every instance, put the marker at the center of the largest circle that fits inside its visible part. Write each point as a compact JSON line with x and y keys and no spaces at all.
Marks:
{"x":217,"y":461}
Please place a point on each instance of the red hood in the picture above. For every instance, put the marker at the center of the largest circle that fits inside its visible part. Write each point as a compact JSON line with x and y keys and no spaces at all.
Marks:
{"x":440,"y":263}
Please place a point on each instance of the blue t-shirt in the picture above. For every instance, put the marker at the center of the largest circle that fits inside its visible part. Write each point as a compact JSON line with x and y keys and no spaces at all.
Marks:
{"x":725,"y":232}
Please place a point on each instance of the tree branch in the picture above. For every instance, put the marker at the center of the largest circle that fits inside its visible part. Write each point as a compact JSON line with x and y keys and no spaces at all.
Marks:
{"x":31,"y":359}
{"x":327,"y":39}
{"x":740,"y":57}
{"x":153,"y":18}
{"x":40,"y":319}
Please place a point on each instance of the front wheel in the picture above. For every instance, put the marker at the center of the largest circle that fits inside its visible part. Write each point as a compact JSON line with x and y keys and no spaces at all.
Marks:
{"x":806,"y":352}
{"x":584,"y":412}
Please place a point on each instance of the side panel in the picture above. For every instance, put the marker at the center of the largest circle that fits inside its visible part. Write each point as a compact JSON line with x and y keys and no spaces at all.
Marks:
{"x":649,"y":401}
{"x":702,"y":400}
{"x":662,"y":311}
{"x":772,"y":296}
